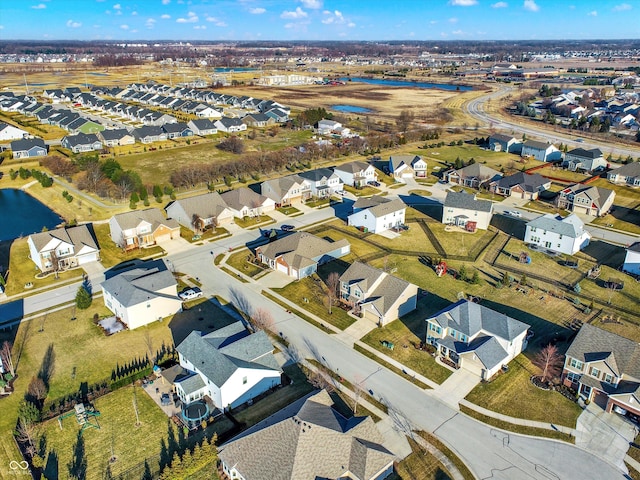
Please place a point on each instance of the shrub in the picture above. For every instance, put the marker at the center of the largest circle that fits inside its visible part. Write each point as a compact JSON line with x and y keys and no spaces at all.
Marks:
{"x":83,"y":298}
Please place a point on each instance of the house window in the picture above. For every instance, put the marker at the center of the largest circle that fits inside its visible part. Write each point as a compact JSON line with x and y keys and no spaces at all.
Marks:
{"x":244,"y":380}
{"x":608,"y":378}
{"x":452,"y":332}
{"x":594,"y":372}
{"x":435,"y":328}
{"x":573,"y":377}
{"x":533,"y":229}
{"x":576,"y":364}
{"x":464,"y":338}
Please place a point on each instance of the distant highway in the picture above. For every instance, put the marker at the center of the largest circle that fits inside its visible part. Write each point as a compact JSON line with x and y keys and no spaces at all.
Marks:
{"x":475,"y":108}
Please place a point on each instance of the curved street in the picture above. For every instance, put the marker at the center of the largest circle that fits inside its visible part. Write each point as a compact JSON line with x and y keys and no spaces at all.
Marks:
{"x":475,"y":108}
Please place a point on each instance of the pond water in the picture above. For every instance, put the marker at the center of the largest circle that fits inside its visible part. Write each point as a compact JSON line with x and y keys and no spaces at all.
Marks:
{"x":350,"y":109}
{"x":22,"y":215}
{"x":406,"y":83}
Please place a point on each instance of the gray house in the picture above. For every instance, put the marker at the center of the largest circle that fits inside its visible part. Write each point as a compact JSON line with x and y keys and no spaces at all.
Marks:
{"x":586,"y":161}
{"x":504,"y":143}
{"x":29,"y":147}
{"x":82,"y":142}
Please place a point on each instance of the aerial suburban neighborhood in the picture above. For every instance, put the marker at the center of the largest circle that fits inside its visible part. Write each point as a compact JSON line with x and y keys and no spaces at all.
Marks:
{"x":315,"y":257}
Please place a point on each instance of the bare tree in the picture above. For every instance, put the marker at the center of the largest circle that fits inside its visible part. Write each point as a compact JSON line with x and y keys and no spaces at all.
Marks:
{"x":357,"y":391}
{"x":55,"y":262}
{"x":37,"y":389}
{"x":25,"y":432}
{"x":6,"y":358}
{"x":262,"y":319}
{"x":333,"y":282}
{"x":549,"y":361}
{"x":404,"y":120}
{"x":197,"y":223}
{"x":320,"y":380}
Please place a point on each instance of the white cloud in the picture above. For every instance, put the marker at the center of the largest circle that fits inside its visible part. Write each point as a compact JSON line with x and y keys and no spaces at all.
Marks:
{"x":500,"y":5}
{"x":457,"y":32}
{"x":191,"y":18}
{"x":118,"y":8}
{"x":134,"y":31}
{"x":333,"y":17}
{"x":1,"y":27}
{"x":351,"y":24}
{"x":463,"y":3}
{"x":166,"y":2}
{"x":150,"y":23}
{"x":200,"y":27}
{"x":433,"y":22}
{"x":124,"y":27}
{"x":622,"y":7}
{"x":134,"y":13}
{"x":313,"y":4}
{"x":297,"y":13}
{"x":218,"y":23}
{"x":453,"y":20}
{"x":531,"y":5}
{"x":72,"y":24}
{"x":593,"y":13}
{"x":165,"y":16}
{"x":257,"y":11}
{"x":40,"y":6}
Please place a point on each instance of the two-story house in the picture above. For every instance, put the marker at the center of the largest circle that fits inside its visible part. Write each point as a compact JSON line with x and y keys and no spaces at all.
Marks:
{"x":605,"y":368}
{"x":228,"y":365}
{"x":287,"y":190}
{"x":141,"y":294}
{"x":476,"y":338}
{"x":322,"y":181}
{"x":588,"y":161}
{"x":142,"y":228}
{"x":376,"y":295}
{"x":407,"y":166}
{"x":628,"y":174}
{"x":585,"y":199}
{"x":545,"y":152}
{"x":356,"y":174}
{"x":63,"y":248}
{"x":563,"y":235}
{"x":377,"y":214}
{"x":464,"y":210}
{"x":504,"y":143}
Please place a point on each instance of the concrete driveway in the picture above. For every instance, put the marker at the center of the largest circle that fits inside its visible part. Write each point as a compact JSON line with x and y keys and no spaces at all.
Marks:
{"x":606,"y":435}
{"x":456,"y":387}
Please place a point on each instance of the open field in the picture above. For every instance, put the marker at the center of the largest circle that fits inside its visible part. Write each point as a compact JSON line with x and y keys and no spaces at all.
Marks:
{"x":458,"y":242}
{"x":495,"y":160}
{"x":562,"y":174}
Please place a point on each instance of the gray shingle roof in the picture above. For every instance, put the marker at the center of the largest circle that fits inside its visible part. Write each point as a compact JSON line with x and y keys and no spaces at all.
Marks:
{"x":129,"y":220}
{"x":471,"y":318}
{"x":115,"y":134}
{"x":282,"y":185}
{"x":304,"y":246}
{"x":467,"y":201}
{"x":570,"y":226}
{"x":489,"y":351}
{"x":628,"y":170}
{"x":352,"y":167}
{"x":581,"y":152}
{"x":191,"y":384}
{"x":220,"y":353}
{"x":140,"y":283}
{"x":79,"y":237}
{"x":243,"y":197}
{"x":399,"y":160}
{"x":82,"y":139}
{"x":502,"y":138}
{"x":27,"y":144}
{"x":478,"y":170}
{"x":635,"y":247}
{"x":206,"y":205}
{"x":177,"y":127}
{"x":536,"y":145}
{"x":308,"y":441}
{"x":317,"y":174}
{"x":528,"y":182}
{"x":597,"y":195}
{"x":621,"y":354}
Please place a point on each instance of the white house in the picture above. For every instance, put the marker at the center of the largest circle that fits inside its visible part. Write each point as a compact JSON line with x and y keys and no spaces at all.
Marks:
{"x":476,"y":338}
{"x":142,"y":228}
{"x":200,"y":211}
{"x":377,"y":214}
{"x":327,"y":127}
{"x":287,"y":190}
{"x":407,"y":166}
{"x":632,"y":259}
{"x":142,"y":294}
{"x":9,"y":132}
{"x":376,"y":295}
{"x":545,"y":152}
{"x":628,"y":174}
{"x":228,"y":365}
{"x":244,"y":202}
{"x":230,"y":125}
{"x":563,"y":235}
{"x":69,"y":247}
{"x":356,"y":174}
{"x":464,"y":210}
{"x":299,"y":254}
{"x":323,"y":182}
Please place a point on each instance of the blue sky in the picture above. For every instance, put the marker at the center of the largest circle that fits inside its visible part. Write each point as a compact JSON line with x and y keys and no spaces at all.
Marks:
{"x":319,"y":19}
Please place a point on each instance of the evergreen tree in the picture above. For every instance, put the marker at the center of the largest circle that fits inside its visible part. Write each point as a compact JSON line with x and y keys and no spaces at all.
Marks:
{"x":475,"y":279}
{"x":463,"y":273}
{"x":83,"y":298}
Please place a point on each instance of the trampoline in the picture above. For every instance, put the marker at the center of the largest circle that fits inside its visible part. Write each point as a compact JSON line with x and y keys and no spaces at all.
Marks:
{"x":194,"y":413}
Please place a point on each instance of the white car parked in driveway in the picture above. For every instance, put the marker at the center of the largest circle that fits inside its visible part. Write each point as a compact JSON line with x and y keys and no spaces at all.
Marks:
{"x":190,"y":293}
{"x":513,"y":213}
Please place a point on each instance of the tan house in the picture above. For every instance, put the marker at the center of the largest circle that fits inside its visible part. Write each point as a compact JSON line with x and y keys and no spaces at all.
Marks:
{"x":140,"y":229}
{"x":407,"y":166}
{"x":63,"y":248}
{"x":585,"y":199}
{"x":473,"y":176}
{"x":299,"y":254}
{"x":288,"y":190}
{"x":605,"y":368}
{"x":376,"y":295}
{"x":521,"y":185}
{"x":200,"y":211}
{"x":244,"y":202}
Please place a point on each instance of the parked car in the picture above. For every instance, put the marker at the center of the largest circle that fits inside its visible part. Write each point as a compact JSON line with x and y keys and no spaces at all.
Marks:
{"x":373,"y":183}
{"x":340,"y":192}
{"x":287,"y":228}
{"x":190,"y":293}
{"x":513,"y":213}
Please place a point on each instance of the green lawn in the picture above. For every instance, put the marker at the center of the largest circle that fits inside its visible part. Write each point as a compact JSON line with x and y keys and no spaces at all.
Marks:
{"x":422,"y":193}
{"x":420,"y":465}
{"x":406,"y":333}
{"x":310,"y":294}
{"x":460,"y":243}
{"x":291,"y":211}
{"x":495,"y":160}
{"x":563,"y":174}
{"x":111,"y":254}
{"x":208,"y":234}
{"x":363,"y":191}
{"x":252,"y":222}
{"x":22,"y":271}
{"x":513,"y":394}
{"x":240,"y":261}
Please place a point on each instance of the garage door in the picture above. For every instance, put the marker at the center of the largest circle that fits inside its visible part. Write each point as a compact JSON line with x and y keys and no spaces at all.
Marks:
{"x":92,"y":257}
{"x":474,"y":367}
{"x":283,"y":268}
{"x":407,"y":175}
{"x":163,"y":238}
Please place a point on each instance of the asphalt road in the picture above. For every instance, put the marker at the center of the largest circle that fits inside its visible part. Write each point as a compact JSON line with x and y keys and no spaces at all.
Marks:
{"x":475,"y":108}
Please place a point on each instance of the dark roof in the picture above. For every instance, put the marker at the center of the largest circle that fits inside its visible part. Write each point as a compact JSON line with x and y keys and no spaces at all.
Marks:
{"x":536,"y":145}
{"x":204,"y":124}
{"x":581,"y":152}
{"x":593,"y":344}
{"x":317,"y":174}
{"x":467,"y":201}
{"x":230,"y":122}
{"x":502,"y":138}
{"x":82,"y":139}
{"x":115,"y":134}
{"x":352,"y":167}
{"x":635,"y":247}
{"x":139,"y":283}
{"x":148,"y":131}
{"x":178,"y":127}
{"x":27,"y":144}
{"x":528,"y":182}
